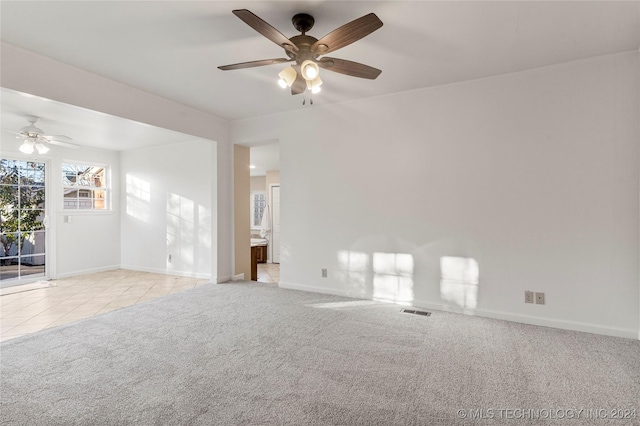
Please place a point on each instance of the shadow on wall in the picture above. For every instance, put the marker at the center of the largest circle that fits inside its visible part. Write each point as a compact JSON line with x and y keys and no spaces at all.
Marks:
{"x":459,"y":282}
{"x":138,"y":198}
{"x":188,"y":225}
{"x":181,"y":230}
{"x":388,"y":275}
{"x":188,"y":233}
{"x":394,"y":270}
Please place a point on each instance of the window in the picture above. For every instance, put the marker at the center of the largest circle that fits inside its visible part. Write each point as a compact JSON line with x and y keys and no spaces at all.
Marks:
{"x":85,"y":187}
{"x":258,"y":203}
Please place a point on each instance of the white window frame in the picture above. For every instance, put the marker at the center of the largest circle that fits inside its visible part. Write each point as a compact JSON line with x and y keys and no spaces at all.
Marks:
{"x":254,"y":192}
{"x":108,"y":191}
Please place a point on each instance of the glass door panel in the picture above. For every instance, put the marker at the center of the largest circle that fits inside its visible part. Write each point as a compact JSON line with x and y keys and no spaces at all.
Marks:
{"x":22,"y":221}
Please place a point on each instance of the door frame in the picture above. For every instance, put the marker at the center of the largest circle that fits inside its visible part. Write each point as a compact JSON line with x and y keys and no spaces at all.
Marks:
{"x":49,"y":210}
{"x":270,"y":248}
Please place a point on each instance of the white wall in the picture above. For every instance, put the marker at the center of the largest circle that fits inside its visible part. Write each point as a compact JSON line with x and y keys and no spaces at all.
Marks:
{"x":35,"y":74}
{"x":535,"y":175}
{"x":91,"y":241}
{"x":166,"y":210}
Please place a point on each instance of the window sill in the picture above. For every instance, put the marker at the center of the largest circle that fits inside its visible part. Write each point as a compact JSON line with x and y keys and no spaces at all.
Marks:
{"x":85,"y":212}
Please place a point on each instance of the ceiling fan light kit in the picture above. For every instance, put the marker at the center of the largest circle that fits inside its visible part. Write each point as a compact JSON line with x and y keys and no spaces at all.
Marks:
{"x":305,"y":50}
{"x":30,"y":144}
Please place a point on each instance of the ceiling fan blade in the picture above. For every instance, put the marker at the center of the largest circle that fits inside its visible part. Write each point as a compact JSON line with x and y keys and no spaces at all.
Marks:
{"x":61,"y":140}
{"x":354,"y":69}
{"x":265,"y":29}
{"x":13,"y":132}
{"x":65,"y":144}
{"x":300,"y":84}
{"x":347,"y":34}
{"x":252,"y":64}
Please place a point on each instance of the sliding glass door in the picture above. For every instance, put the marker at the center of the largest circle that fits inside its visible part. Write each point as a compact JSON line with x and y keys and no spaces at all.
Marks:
{"x":22,"y":221}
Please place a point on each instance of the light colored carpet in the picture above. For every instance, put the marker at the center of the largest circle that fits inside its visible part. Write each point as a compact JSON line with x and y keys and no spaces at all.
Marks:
{"x":245,"y":353}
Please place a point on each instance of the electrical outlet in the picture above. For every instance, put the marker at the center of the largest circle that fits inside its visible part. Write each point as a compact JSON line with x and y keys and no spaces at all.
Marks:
{"x":169,"y":259}
{"x":539,"y":298}
{"x":528,"y":296}
{"x":324,"y":272}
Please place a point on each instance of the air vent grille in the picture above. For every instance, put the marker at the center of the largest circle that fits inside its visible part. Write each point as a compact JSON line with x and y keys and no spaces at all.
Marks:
{"x":416,"y":312}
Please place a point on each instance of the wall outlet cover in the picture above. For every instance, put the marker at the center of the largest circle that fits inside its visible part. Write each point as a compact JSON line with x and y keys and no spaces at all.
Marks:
{"x":528,"y":296}
{"x":539,"y":298}
{"x":324,"y":272}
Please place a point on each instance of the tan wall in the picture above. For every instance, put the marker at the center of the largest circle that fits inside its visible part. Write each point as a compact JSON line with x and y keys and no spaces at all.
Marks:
{"x":241,"y":214}
{"x":258,"y":183}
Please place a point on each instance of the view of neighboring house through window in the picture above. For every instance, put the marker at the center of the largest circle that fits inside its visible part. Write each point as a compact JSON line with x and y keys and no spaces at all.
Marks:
{"x":85,"y":187}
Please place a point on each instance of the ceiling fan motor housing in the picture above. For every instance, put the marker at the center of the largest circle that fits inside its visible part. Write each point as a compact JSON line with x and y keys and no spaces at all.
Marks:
{"x":31,"y":130}
{"x":303,"y":43}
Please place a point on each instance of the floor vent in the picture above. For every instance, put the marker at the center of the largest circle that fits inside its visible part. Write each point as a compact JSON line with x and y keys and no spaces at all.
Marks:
{"x":415,"y":312}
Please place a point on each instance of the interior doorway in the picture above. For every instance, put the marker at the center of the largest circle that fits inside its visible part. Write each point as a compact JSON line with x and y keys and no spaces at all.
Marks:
{"x":23,"y":220}
{"x":264,"y":171}
{"x":275,"y":224}
{"x":269,"y":273}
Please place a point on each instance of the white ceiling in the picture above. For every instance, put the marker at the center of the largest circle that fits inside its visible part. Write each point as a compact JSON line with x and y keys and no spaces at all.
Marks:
{"x":173,"y":48}
{"x":87,"y":128}
{"x":265,"y":158}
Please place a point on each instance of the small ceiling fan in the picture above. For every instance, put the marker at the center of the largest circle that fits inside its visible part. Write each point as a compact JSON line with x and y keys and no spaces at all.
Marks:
{"x":305,"y":50}
{"x":34,"y":138}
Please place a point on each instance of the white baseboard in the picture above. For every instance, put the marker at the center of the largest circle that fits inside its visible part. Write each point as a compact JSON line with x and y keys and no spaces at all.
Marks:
{"x":239,"y":277}
{"x":533,"y":320}
{"x":87,"y":271}
{"x":189,"y":274}
{"x":142,"y":269}
{"x":562,"y":324}
{"x":487,"y":313}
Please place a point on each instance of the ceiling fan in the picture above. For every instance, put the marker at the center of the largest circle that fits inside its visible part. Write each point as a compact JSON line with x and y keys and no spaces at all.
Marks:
{"x":305,"y":50}
{"x":34,"y":138}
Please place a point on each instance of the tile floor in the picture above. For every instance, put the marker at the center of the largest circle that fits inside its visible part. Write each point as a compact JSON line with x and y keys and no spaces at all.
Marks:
{"x":75,"y":298}
{"x":269,"y":273}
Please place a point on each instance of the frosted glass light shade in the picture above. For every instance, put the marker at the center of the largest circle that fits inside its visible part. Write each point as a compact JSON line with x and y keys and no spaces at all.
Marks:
{"x":314,"y":85}
{"x":27,"y":146}
{"x":288,"y":76}
{"x":42,"y":149}
{"x":309,"y":70}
